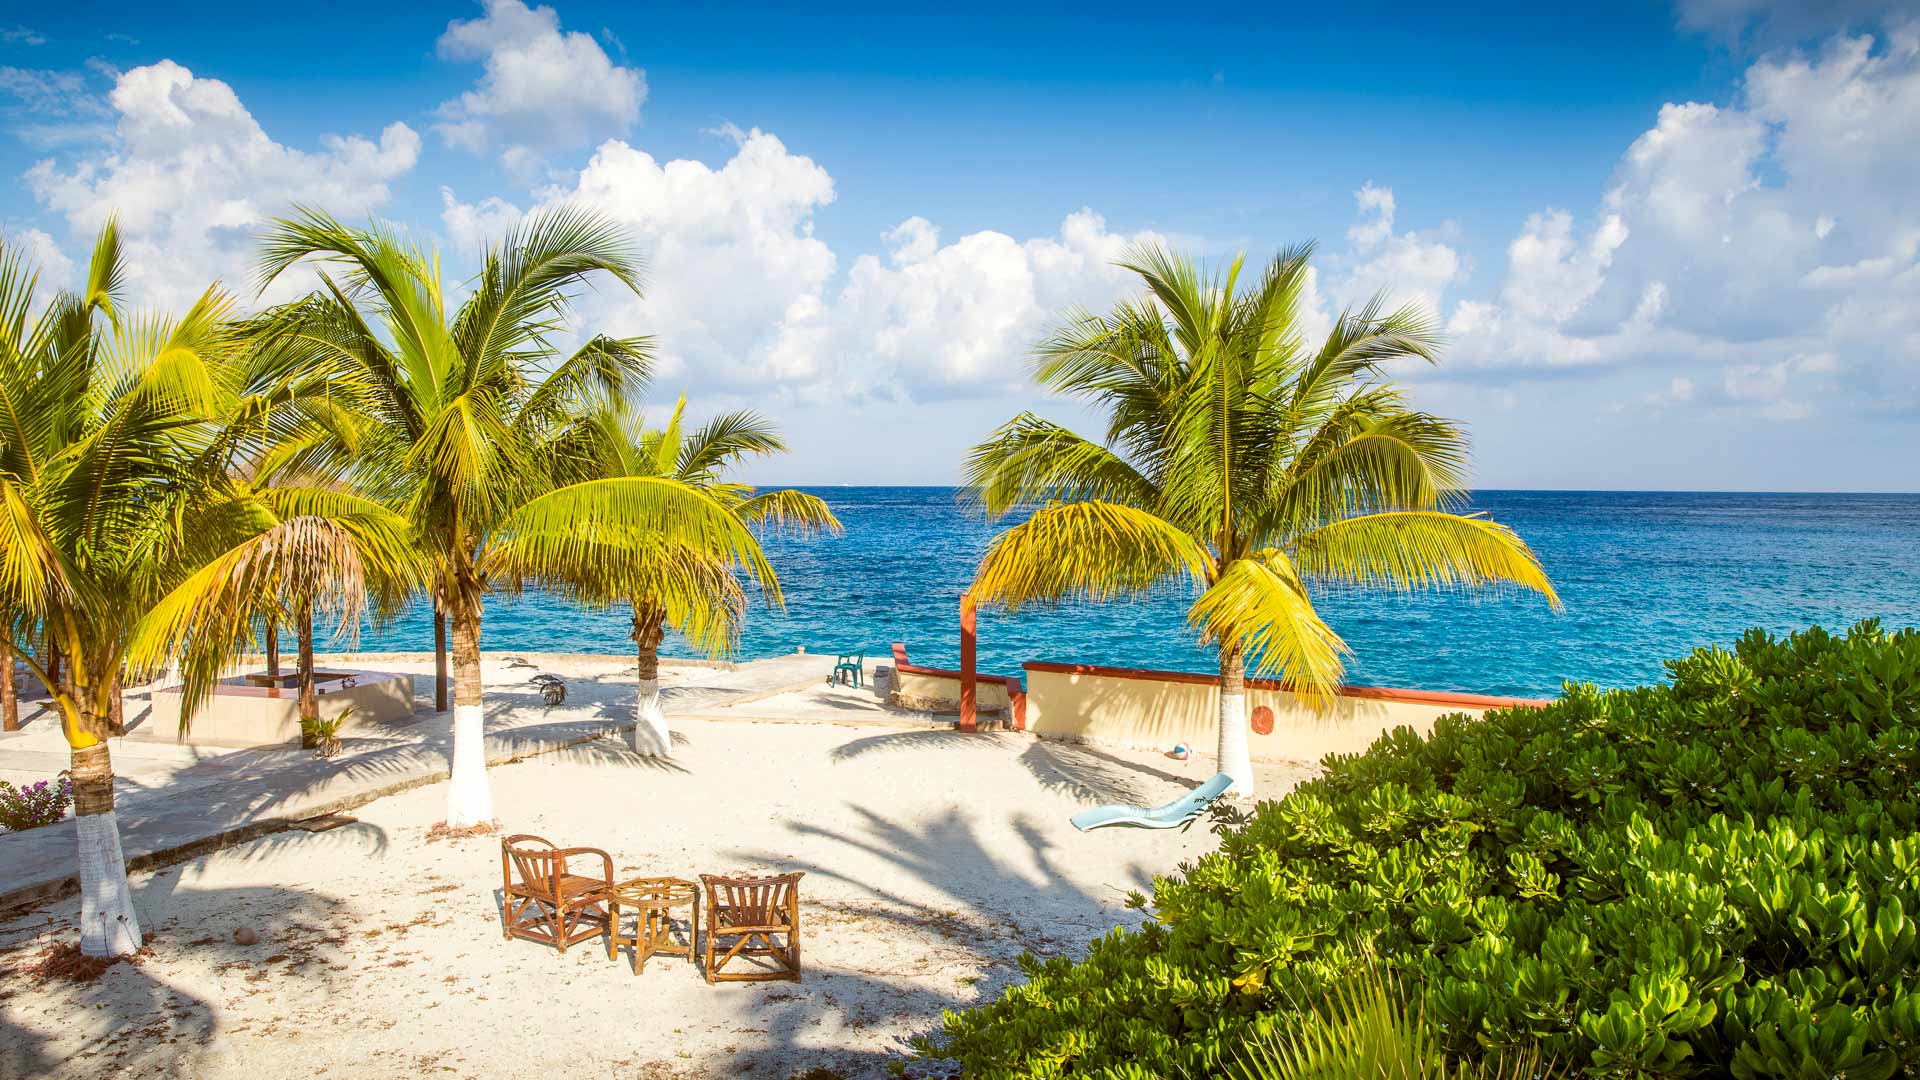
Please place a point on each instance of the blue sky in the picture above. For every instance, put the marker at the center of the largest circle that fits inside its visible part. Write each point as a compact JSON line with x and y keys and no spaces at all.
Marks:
{"x":1671,"y":246}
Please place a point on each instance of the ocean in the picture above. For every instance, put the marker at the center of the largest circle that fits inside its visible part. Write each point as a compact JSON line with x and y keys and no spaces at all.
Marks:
{"x":1645,"y":576}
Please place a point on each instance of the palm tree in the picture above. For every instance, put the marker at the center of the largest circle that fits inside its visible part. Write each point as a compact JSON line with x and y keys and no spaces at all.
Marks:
{"x":459,"y":407}
{"x":1241,"y":459}
{"x":293,"y":553}
{"x":101,"y":455}
{"x":666,"y":585}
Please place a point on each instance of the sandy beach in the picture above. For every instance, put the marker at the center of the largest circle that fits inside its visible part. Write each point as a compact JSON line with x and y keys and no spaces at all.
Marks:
{"x":933,"y":859}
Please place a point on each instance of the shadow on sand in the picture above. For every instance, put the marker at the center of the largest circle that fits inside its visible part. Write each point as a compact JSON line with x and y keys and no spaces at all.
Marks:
{"x":132,"y":1021}
{"x":1076,"y":770}
{"x":974,"y":900}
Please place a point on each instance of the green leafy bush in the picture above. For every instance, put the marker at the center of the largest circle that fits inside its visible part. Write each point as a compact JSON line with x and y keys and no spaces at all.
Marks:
{"x":1720,"y":876}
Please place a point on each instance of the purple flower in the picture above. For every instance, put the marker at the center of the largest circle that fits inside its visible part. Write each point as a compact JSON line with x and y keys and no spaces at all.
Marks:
{"x":38,"y":803}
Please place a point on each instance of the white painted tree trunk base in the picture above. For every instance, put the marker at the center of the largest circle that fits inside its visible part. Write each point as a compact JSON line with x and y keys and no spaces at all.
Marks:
{"x":650,"y":735}
{"x":108,"y":924}
{"x":469,"y":794}
{"x":1235,"y":761}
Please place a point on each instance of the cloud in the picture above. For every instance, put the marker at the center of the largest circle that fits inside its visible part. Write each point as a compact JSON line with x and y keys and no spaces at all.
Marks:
{"x":51,"y":109}
{"x":192,"y":175}
{"x":540,"y":89}
{"x":731,"y":259}
{"x":1755,"y":25}
{"x":743,"y":295}
{"x":1734,"y":241}
{"x":21,"y":35}
{"x":1405,"y":267}
{"x":50,"y":93}
{"x":934,"y":320}
{"x":43,"y":252}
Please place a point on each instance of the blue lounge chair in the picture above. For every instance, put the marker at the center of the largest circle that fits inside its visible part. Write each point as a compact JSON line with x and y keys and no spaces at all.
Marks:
{"x":1171,"y":816}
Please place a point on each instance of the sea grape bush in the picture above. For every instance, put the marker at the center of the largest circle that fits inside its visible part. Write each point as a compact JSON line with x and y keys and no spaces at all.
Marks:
{"x":1716,"y":876}
{"x":39,"y":803}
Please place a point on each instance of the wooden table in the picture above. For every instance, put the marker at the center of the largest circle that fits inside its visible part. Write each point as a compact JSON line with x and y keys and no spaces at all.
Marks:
{"x":653,"y":900}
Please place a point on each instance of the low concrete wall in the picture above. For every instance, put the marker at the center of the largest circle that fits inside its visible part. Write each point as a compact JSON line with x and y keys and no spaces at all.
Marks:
{"x":1153,"y":710}
{"x":240,"y":714}
{"x":941,"y":692}
{"x":938,"y":689}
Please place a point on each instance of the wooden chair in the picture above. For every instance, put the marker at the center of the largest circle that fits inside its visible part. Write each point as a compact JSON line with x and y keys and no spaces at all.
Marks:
{"x":549,"y":904}
{"x":763,"y":915}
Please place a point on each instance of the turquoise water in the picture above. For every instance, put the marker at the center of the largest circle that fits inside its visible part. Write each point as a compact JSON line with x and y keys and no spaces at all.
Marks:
{"x":1645,"y":577}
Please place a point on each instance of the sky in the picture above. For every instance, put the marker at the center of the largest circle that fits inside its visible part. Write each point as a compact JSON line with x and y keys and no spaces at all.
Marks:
{"x":1670,"y":246}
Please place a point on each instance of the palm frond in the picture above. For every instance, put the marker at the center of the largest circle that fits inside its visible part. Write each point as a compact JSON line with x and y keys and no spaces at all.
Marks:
{"x":605,"y":367}
{"x":1030,"y":459}
{"x":33,"y":575}
{"x":637,"y":511}
{"x":1366,"y":462}
{"x":301,"y":560}
{"x":789,"y":512}
{"x":1260,"y":609}
{"x":1421,"y":549}
{"x":1086,"y":550}
{"x":725,"y":441}
{"x":1365,"y":1027}
{"x":524,"y":284}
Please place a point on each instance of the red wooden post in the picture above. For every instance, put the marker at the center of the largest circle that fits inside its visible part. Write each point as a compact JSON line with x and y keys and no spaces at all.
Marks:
{"x":969,"y":716}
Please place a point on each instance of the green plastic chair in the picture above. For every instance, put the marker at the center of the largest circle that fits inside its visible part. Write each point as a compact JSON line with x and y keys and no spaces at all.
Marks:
{"x":850,"y":668}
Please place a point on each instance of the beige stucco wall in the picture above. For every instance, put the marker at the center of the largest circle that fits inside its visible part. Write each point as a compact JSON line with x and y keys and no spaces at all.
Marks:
{"x":251,"y":720}
{"x":944,"y":691}
{"x":1153,"y":714}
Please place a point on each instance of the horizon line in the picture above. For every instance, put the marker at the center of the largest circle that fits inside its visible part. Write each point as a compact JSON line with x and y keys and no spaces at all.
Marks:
{"x":1517,"y":490}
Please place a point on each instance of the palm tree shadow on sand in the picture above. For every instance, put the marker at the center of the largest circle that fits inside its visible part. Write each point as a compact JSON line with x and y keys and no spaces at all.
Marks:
{"x":967,"y":894}
{"x":149,"y":1026}
{"x":1081,"y":772}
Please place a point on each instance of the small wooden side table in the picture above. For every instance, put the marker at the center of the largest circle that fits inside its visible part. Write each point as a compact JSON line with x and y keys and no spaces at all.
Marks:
{"x":653,"y":900}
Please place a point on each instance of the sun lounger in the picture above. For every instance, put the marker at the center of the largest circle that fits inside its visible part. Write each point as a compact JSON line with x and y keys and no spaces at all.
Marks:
{"x":1171,"y":816}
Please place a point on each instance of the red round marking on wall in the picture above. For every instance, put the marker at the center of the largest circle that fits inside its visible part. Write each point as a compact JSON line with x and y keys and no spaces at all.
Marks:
{"x":1263,"y":720}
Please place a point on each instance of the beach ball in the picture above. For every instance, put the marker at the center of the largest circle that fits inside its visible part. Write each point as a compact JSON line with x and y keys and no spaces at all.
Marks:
{"x":1180,"y":752}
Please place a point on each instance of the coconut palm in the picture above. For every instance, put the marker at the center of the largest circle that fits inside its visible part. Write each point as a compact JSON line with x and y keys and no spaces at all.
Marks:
{"x":292,"y":553}
{"x":460,"y":405}
{"x":1243,"y":460}
{"x":667,"y":586}
{"x":102,"y":451}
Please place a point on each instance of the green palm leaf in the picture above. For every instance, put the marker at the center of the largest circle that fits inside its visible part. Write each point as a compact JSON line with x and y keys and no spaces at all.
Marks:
{"x":1260,"y":608}
{"x":1087,"y":551}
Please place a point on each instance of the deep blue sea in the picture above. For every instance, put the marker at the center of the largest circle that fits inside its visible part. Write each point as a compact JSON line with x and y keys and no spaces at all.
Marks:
{"x":1645,"y":577}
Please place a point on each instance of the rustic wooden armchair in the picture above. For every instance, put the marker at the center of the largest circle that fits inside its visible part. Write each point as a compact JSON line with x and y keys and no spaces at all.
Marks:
{"x":548,"y":903}
{"x":761,"y":915}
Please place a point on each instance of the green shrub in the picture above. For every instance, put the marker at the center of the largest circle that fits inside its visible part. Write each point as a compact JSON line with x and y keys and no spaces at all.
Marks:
{"x":1718,"y":876}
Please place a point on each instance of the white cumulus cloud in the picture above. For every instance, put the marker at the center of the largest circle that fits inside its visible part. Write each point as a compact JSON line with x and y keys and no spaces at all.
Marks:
{"x":541,"y":89}
{"x":1736,"y":240}
{"x":745,"y":299}
{"x":191,"y":176}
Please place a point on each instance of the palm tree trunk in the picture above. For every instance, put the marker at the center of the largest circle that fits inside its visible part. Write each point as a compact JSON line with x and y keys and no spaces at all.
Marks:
{"x":117,"y":706}
{"x":309,"y":696}
{"x":439,"y":658}
{"x":1234,"y":758}
{"x":9,"y":694}
{"x":650,"y":735}
{"x":469,"y":795}
{"x":273,"y":647}
{"x":109,"y":926}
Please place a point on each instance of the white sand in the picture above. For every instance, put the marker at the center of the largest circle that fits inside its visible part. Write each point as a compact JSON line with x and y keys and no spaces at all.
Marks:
{"x":932,"y":860}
